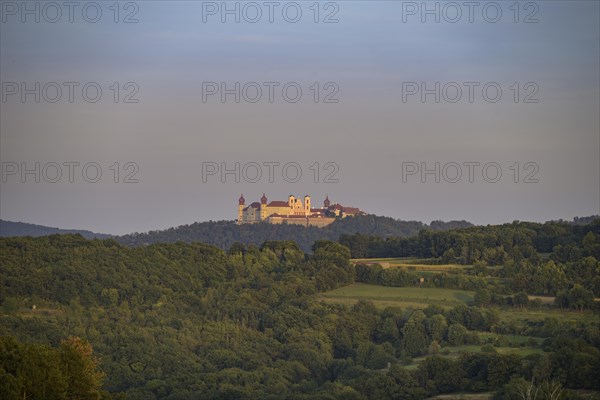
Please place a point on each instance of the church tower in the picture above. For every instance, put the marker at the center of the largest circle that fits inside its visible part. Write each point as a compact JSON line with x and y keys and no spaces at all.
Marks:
{"x":241,"y":203}
{"x":307,"y":205}
{"x":263,"y":207}
{"x":326,"y":203}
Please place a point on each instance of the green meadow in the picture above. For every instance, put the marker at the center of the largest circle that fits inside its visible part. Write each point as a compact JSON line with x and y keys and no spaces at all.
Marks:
{"x":384,"y":296}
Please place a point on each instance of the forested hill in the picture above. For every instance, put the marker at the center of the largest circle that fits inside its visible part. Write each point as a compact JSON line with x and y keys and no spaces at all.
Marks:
{"x":182,"y":321}
{"x":10,"y":228}
{"x":224,"y":233}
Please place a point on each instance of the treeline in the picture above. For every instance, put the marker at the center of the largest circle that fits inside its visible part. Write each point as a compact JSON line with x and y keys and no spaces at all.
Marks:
{"x":492,"y":244}
{"x":224,"y":234}
{"x":541,"y":259}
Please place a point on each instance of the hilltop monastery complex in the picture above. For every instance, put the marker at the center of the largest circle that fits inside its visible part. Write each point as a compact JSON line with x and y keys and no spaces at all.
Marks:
{"x":293,"y":211}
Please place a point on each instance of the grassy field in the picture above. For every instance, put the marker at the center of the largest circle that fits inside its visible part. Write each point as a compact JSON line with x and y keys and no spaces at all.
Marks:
{"x":392,"y":260}
{"x":418,"y":298}
{"x":548,"y":300}
{"x":415,"y":297}
{"x":383,"y":296}
{"x":463,"y":396}
{"x":412,"y":264}
{"x":428,"y":267}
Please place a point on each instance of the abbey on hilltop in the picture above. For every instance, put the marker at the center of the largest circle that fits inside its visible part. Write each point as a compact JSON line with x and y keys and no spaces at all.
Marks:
{"x":292,"y":211}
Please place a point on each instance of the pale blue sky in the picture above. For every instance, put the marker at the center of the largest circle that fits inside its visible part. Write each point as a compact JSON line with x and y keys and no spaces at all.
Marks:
{"x":369,"y":133}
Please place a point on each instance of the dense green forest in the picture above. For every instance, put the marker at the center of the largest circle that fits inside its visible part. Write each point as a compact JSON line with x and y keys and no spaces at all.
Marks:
{"x":224,"y":234}
{"x":476,"y":242}
{"x":193,"y":321}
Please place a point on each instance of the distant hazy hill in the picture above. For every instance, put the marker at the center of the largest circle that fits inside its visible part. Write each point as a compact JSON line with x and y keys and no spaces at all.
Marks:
{"x":225,"y":233}
{"x":9,"y":228}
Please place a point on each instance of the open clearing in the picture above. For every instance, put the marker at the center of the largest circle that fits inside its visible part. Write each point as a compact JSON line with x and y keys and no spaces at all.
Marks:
{"x":416,"y":297}
{"x":383,"y":296}
{"x":548,"y":300}
{"x":463,"y":396}
{"x":411,"y":264}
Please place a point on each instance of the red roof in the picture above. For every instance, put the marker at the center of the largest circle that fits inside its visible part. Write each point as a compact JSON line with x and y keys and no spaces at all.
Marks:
{"x":278,"y":203}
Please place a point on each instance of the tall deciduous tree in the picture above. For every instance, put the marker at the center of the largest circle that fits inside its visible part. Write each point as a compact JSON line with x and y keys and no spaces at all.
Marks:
{"x":414,"y":337}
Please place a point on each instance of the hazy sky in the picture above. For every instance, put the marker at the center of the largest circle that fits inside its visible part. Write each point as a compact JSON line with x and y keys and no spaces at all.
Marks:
{"x":542,"y":132}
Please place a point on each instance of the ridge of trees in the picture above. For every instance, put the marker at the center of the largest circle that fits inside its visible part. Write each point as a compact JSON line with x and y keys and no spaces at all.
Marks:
{"x":224,"y":234}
